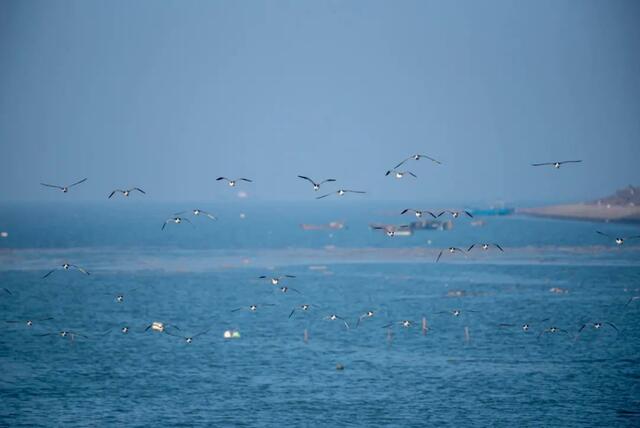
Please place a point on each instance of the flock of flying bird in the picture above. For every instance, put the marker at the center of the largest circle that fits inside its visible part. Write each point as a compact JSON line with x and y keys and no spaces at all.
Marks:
{"x":276,"y":281}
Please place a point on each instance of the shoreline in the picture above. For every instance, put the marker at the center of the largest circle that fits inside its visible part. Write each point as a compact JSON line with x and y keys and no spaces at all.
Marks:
{"x":586,"y":212}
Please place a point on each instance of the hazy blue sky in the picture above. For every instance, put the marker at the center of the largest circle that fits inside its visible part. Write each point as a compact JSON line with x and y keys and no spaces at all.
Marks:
{"x":167,"y":95}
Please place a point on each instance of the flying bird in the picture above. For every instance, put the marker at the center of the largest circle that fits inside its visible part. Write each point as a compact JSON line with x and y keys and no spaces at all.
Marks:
{"x":127,"y":192}
{"x":403,"y":323}
{"x":597,"y":326}
{"x":618,"y":240}
{"x":252,"y":308}
{"x":316,"y":186}
{"x":417,"y":157}
{"x":552,"y":330}
{"x":451,"y":250}
{"x":390,"y":230}
{"x":176,"y":220}
{"x":232,"y":183}
{"x":454,"y":312}
{"x":276,"y":279}
{"x":334,"y":317}
{"x":400,"y":174}
{"x":340,"y":192}
{"x":286,"y":289}
{"x":64,"y":189}
{"x":188,"y":339}
{"x":67,"y":266}
{"x":484,"y":246}
{"x":455,"y":214}
{"x":418,"y":213}
{"x":29,"y":322}
{"x":304,"y":308}
{"x":198,"y":212}
{"x":525,"y":327}
{"x":556,"y":165}
{"x":366,"y":315}
{"x":64,"y":333}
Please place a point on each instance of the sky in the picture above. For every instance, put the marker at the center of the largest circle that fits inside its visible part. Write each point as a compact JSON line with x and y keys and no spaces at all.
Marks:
{"x":169,"y":95}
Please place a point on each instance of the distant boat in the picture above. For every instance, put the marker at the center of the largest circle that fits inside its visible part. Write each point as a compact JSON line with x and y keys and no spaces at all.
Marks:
{"x":334,"y":225}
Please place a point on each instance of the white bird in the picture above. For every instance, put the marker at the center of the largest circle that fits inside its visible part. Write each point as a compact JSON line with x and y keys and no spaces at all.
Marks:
{"x":597,"y":326}
{"x":233,"y":182}
{"x":252,"y":308}
{"x":552,"y":330}
{"x":334,"y":317}
{"x":484,"y":246}
{"x":366,"y":315}
{"x":403,"y":323}
{"x":451,"y":250}
{"x":340,"y":192}
{"x":188,"y":339}
{"x":127,"y":192}
{"x":175,"y":220}
{"x":455,"y":214}
{"x":64,"y":189}
{"x":400,"y":174}
{"x":418,"y":213}
{"x":304,"y":308}
{"x":619,"y":240}
{"x":556,"y":165}
{"x":417,"y":157}
{"x":390,"y":230}
{"x":67,"y":266}
{"x":29,"y":322}
{"x":64,"y":333}
{"x":316,"y":186}
{"x":197,"y":212}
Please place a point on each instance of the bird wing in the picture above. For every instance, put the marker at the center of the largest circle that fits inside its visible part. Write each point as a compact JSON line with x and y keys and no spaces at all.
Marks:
{"x":113,"y":193}
{"x":430,"y":213}
{"x":387,"y":173}
{"x":431,"y":159}
{"x":472,"y":245}
{"x":308,"y":179}
{"x":328,"y":180}
{"x":401,"y":163}
{"x":288,"y":276}
{"x":441,"y":213}
{"x":52,"y":185}
{"x":80,"y":269}
{"x":603,"y":234}
{"x":49,"y":273}
{"x":412,"y":174}
{"x":570,"y":161}
{"x":211,"y":216}
{"x":246,"y":179}
{"x":324,"y":196}
{"x":612,"y":325}
{"x":222,"y":178}
{"x":7,"y":291}
{"x":498,"y":247}
{"x":439,"y":255}
{"x":75,"y":184}
{"x":543,"y":163}
{"x":406,"y":210}
{"x":292,"y":312}
{"x":139,"y":190}
{"x":354,"y":191}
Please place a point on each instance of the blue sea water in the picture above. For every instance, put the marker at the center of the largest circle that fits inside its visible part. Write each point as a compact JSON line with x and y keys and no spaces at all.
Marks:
{"x":194,"y":276}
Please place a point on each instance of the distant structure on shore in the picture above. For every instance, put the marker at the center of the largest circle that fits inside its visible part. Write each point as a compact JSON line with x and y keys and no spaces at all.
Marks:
{"x":623,"y":206}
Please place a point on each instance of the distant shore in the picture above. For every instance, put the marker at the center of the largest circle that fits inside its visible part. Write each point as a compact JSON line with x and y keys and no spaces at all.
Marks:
{"x":587,"y":212}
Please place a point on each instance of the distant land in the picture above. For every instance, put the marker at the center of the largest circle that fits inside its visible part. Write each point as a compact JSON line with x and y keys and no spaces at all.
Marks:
{"x":623,"y":206}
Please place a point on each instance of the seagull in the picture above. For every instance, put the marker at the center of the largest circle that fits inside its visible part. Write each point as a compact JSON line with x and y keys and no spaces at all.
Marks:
{"x":64,"y":333}
{"x":64,"y":189}
{"x":390,"y":230}
{"x":304,"y":308}
{"x":276,"y":280}
{"x":340,"y":192}
{"x":400,"y":174}
{"x":316,"y":186}
{"x":334,"y":317}
{"x":451,"y":250}
{"x":176,"y":220}
{"x":160,"y":326}
{"x":403,"y":323}
{"x":6,"y":290}
{"x":67,"y":266}
{"x":556,"y":165}
{"x":418,"y":213}
{"x":252,"y":308}
{"x":485,"y":247}
{"x":189,"y":339}
{"x":127,"y":192}
{"x":364,"y":316}
{"x":454,"y":312}
{"x":552,"y":330}
{"x":418,"y":157}
{"x":597,"y":326}
{"x":196,"y":212}
{"x":29,"y":322}
{"x":618,"y":240}
{"x":525,"y":326}
{"x":124,"y":330}
{"x":232,"y":183}
{"x":455,"y":214}
{"x":286,"y":289}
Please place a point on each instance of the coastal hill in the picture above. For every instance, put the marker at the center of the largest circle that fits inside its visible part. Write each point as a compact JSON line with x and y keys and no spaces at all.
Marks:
{"x":622,"y":206}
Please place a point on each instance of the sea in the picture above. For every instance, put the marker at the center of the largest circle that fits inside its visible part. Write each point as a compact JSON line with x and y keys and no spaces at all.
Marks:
{"x":464,"y":360}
